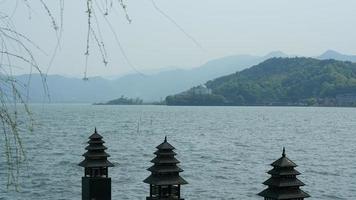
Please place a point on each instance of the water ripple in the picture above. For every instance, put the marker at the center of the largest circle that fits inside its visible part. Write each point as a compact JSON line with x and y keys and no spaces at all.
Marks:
{"x":225,"y":151}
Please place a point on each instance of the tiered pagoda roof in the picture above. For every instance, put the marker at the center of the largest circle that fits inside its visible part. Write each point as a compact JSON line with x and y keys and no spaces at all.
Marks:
{"x":283,"y":183}
{"x":165,"y":170}
{"x":96,"y":155}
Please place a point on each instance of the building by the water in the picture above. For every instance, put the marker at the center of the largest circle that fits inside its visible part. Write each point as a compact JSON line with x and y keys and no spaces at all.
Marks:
{"x":198,"y":90}
{"x":346,"y":99}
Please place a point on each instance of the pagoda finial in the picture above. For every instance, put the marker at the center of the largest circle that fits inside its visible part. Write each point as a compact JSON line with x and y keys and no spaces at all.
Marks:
{"x":284,"y":152}
{"x":165,"y":139}
{"x":95,"y":130}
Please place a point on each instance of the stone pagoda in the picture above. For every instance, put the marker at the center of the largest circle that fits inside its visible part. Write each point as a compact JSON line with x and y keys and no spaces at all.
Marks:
{"x":283,"y":183}
{"x":96,"y":183}
{"x":164,"y":180}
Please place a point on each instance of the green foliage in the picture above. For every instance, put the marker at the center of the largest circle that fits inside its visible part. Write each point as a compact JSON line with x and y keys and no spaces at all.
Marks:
{"x":287,"y":81}
{"x":195,"y":100}
{"x":123,"y":101}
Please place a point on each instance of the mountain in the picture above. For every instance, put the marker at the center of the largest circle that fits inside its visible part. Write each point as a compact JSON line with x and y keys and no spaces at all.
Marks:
{"x":275,"y":54}
{"x":64,"y":89}
{"x":151,"y":87}
{"x":286,"y":81}
{"x":331,"y":54}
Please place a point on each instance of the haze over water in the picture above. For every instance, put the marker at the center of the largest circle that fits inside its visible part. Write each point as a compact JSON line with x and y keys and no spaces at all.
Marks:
{"x":225,"y":151}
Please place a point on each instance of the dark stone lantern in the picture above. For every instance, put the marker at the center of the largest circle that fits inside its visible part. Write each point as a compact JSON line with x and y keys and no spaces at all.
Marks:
{"x":284,"y":183}
{"x":164,"y":180}
{"x":96,"y":183}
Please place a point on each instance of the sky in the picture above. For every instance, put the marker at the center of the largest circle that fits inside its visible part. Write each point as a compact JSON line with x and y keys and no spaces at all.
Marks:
{"x":187,"y":34}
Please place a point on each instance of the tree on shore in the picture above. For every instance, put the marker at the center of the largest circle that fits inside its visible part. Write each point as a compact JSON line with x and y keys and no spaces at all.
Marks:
{"x":17,"y":50}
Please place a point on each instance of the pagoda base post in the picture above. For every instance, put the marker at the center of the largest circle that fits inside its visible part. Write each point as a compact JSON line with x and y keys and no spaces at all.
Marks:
{"x":166,"y":198}
{"x":98,"y":188}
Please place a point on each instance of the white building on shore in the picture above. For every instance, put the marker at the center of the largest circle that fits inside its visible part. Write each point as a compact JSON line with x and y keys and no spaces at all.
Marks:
{"x":198,"y":90}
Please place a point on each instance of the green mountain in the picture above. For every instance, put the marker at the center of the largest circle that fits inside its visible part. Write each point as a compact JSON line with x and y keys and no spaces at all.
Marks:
{"x":289,"y":81}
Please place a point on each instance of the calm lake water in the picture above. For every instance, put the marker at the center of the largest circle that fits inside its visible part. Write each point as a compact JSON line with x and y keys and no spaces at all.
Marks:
{"x":225,"y":151}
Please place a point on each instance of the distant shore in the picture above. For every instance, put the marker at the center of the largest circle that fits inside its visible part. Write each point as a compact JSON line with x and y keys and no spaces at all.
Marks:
{"x":251,"y":105}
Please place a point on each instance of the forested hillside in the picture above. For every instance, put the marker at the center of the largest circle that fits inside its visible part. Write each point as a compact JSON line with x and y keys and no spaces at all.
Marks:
{"x":284,"y":81}
{"x":288,"y":81}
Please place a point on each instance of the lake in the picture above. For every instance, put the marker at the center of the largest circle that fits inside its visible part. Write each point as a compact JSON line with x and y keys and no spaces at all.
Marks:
{"x":225,"y":151}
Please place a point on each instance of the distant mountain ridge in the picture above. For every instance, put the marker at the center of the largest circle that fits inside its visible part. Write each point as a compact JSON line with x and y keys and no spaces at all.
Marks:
{"x":153,"y":87}
{"x":331,"y":54}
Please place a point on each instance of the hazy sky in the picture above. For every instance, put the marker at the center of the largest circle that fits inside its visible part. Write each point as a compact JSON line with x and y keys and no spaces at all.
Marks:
{"x":224,"y":27}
